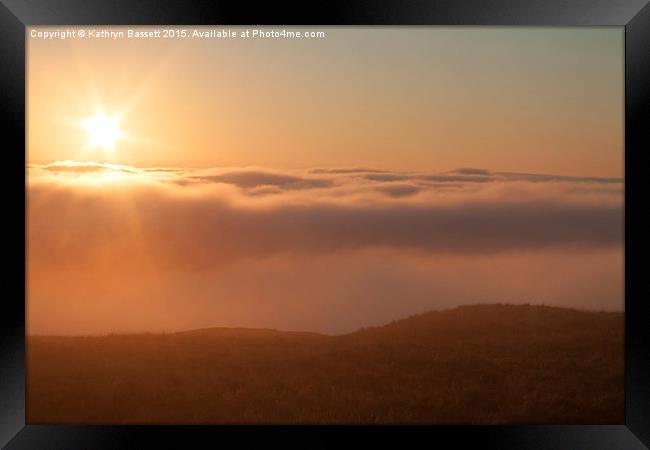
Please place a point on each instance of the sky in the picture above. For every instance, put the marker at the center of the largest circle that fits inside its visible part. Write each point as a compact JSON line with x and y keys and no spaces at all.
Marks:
{"x":323,"y":184}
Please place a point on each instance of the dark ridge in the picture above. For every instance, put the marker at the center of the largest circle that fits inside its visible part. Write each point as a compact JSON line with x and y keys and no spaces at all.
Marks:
{"x":481,"y":364}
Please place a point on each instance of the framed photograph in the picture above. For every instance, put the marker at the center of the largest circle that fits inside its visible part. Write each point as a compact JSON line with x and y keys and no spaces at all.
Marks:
{"x":263,"y":222}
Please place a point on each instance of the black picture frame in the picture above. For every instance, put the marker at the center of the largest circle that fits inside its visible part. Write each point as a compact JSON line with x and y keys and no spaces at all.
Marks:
{"x":633,"y":15}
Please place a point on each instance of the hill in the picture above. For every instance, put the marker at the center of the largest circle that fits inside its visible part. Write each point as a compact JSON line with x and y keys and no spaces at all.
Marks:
{"x":473,"y":364}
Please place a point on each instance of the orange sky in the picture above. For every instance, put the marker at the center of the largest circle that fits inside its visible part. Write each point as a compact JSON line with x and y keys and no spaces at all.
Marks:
{"x":544,"y":100}
{"x":323,"y":184}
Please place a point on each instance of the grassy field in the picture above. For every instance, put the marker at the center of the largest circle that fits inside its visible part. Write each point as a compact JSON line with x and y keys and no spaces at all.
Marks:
{"x":474,"y":364}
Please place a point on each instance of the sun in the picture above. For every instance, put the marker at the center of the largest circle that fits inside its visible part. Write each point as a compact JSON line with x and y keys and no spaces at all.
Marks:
{"x":103,"y":131}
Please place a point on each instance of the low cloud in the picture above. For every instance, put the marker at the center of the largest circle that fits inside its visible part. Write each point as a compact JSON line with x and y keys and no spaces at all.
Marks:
{"x":346,"y":170}
{"x":230,"y":214}
{"x":472,"y":171}
{"x":256,"y":179}
{"x":387,"y":177}
{"x":83,"y":167}
{"x":329,"y":251}
{"x":399,"y":190}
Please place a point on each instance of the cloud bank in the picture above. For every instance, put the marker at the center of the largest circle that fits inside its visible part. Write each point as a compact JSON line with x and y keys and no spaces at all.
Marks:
{"x":92,"y":227}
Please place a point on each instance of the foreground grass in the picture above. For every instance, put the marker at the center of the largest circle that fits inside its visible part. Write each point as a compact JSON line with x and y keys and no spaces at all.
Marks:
{"x":476,"y":364}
